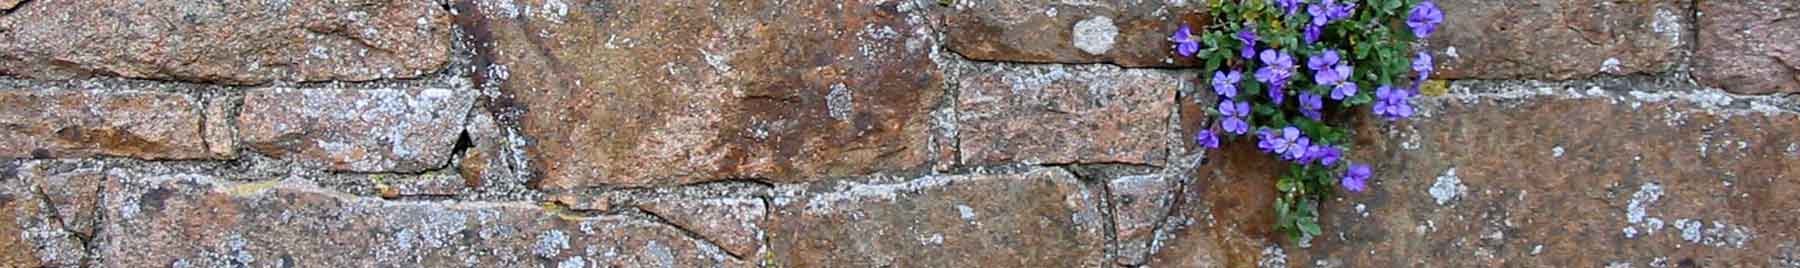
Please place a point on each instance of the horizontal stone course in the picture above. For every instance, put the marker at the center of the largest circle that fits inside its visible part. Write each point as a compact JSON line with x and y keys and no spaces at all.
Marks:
{"x":364,"y":130}
{"x":1041,"y":217}
{"x":1582,"y":178}
{"x":236,"y":42}
{"x":1059,"y":114}
{"x":1559,"y":40}
{"x":68,"y":123}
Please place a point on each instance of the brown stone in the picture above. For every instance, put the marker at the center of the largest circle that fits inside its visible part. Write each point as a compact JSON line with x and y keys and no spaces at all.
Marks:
{"x":1127,"y":33}
{"x":1040,"y":218}
{"x":1057,"y":114}
{"x":225,"y":42}
{"x":663,"y":93}
{"x":1140,"y":204}
{"x":1749,"y":46}
{"x":48,"y":212}
{"x":732,"y":223}
{"x":200,"y":221}
{"x":380,"y":130}
{"x":59,"y":123}
{"x":220,"y":127}
{"x":1552,"y":39}
{"x":1680,"y":179}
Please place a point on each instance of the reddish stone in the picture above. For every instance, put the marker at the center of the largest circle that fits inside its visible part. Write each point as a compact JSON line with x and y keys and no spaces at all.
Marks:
{"x":379,"y":130}
{"x":1749,"y":46}
{"x":82,"y":123}
{"x":1558,"y":39}
{"x":201,"y":221}
{"x":1059,"y":114}
{"x":706,"y":90}
{"x":1127,"y":33}
{"x":1040,"y":218}
{"x":1637,"y":179}
{"x":733,"y":223}
{"x":236,"y":42}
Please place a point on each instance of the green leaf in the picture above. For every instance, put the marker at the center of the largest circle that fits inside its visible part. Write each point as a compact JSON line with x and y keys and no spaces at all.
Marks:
{"x":1309,"y":226}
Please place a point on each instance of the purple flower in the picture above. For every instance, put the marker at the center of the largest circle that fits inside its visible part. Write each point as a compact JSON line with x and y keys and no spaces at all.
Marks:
{"x":1321,"y":12}
{"x":1310,"y":104}
{"x":1339,"y":12}
{"x":1290,"y":6}
{"x":1267,"y":140}
{"x":1325,"y":155}
{"x":1276,"y":93}
{"x":1225,"y":84}
{"x":1312,"y":34}
{"x":1207,"y":139}
{"x":1234,"y":113}
{"x":1277,"y":68}
{"x":1185,"y":44}
{"x":1356,"y":179}
{"x":1297,"y":150}
{"x":1323,"y":60}
{"x":1247,"y":35}
{"x":1424,"y":19}
{"x":1343,"y":91}
{"x":1290,"y":145}
{"x":1422,"y":64}
{"x":1392,"y":103}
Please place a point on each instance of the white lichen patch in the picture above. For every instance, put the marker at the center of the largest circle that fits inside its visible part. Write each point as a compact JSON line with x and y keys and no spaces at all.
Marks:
{"x":1719,"y":234}
{"x":1611,"y":65}
{"x":1095,"y":35}
{"x":1556,"y":152}
{"x":839,"y":102}
{"x":967,"y":213}
{"x":1646,"y":195}
{"x":1447,"y":187}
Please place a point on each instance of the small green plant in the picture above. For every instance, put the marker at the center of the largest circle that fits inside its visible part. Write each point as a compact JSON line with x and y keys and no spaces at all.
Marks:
{"x":1253,"y":51}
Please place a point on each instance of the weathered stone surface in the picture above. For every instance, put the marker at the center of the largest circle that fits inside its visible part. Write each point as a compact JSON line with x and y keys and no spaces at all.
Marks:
{"x":219,"y":126}
{"x":662,"y":93}
{"x":1749,"y":46}
{"x":381,"y":130}
{"x":9,"y":4}
{"x":199,"y":221}
{"x":1065,"y":114}
{"x":733,"y":223}
{"x":428,"y":184}
{"x":48,"y":211}
{"x":1559,"y":39}
{"x":239,"y":42}
{"x":1140,"y":204}
{"x":1040,"y":218}
{"x":1128,"y":33}
{"x":1682,"y":179}
{"x":59,"y":123}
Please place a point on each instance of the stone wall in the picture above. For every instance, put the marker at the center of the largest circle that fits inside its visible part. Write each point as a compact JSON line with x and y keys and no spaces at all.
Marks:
{"x":875,"y":133}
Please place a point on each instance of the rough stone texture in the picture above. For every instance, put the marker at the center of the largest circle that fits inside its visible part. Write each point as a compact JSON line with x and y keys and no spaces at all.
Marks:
{"x":1065,"y":114}
{"x":661,"y":93}
{"x":236,"y":42}
{"x":219,"y":127}
{"x":1749,"y":46}
{"x":1559,"y":39}
{"x":734,"y":224}
{"x":48,"y":213}
{"x":392,"y":130}
{"x":61,"y":123}
{"x":1140,"y":204}
{"x":1689,"y":179}
{"x":1128,"y":33}
{"x":1040,"y":218}
{"x":429,"y":184}
{"x":200,"y":221}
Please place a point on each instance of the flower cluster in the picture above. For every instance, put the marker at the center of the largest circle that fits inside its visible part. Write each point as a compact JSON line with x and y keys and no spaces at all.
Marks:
{"x":1344,"y":45}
